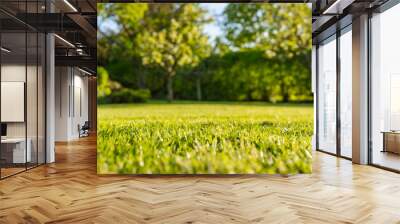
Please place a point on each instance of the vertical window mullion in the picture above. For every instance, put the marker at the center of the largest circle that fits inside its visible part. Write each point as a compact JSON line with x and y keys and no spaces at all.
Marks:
{"x":338,"y":77}
{"x":369,"y":90}
{"x":37,"y":90}
{"x":317,"y":96}
{"x":26,"y":86}
{"x":0,"y":91}
{"x":44,"y":79}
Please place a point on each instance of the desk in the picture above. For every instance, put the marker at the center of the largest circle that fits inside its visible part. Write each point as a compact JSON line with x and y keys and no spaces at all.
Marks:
{"x":391,"y":141}
{"x":13,"y":150}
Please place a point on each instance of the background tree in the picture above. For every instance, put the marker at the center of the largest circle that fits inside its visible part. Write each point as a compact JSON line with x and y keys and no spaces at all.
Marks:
{"x":282,"y":31}
{"x":263,"y":53}
{"x":128,"y":22}
{"x":176,"y":41}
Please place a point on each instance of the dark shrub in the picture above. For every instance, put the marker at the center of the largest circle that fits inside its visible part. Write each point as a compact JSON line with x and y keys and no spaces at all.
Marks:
{"x":102,"y":99}
{"x":126,"y":95}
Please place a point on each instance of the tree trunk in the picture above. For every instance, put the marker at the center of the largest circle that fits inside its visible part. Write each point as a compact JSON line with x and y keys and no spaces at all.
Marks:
{"x":286,"y":98}
{"x":285,"y":93}
{"x":170,"y":95}
{"x":198,"y":87}
{"x":140,"y":81}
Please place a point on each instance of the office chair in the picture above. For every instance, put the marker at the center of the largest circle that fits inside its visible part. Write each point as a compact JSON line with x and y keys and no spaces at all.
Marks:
{"x":84,"y":130}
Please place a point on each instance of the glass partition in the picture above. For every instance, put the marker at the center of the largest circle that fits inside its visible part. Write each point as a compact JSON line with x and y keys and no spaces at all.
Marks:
{"x":22,"y":95}
{"x":13,"y":95}
{"x":385,"y":89}
{"x":327,"y":95}
{"x":346,"y":92}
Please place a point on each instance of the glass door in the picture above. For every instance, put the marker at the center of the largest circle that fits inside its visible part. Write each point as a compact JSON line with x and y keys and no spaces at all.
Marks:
{"x":385,"y":89}
{"x":346,"y":92}
{"x":327,"y":95}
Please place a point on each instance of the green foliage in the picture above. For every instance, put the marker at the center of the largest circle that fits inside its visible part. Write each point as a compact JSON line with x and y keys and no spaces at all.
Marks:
{"x":263,"y":55}
{"x":178,"y":42}
{"x":121,"y":44}
{"x":204,"y":138}
{"x":280,"y":30}
{"x":246,"y":76}
{"x":103,"y":85}
{"x":125,"y":95}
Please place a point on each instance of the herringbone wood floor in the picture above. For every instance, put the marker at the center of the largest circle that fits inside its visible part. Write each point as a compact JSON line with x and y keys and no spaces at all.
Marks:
{"x":69,"y":191}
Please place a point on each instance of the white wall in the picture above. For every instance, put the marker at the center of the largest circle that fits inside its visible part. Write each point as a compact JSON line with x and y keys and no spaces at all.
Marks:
{"x":80,"y":96}
{"x":71,"y":94}
{"x":14,"y":72}
{"x":62,"y":81}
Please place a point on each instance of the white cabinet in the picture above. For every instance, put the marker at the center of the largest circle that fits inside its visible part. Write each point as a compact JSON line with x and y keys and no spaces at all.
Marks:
{"x":19,"y":155}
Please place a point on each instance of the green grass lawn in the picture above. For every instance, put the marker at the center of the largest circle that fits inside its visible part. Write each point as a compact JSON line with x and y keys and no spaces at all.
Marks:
{"x":191,"y":138}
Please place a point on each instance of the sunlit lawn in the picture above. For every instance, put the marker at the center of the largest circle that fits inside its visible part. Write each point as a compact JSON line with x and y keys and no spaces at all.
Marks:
{"x":189,"y":138}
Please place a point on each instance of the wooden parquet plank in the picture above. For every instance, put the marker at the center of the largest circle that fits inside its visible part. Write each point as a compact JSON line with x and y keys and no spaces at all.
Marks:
{"x":70,"y":191}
